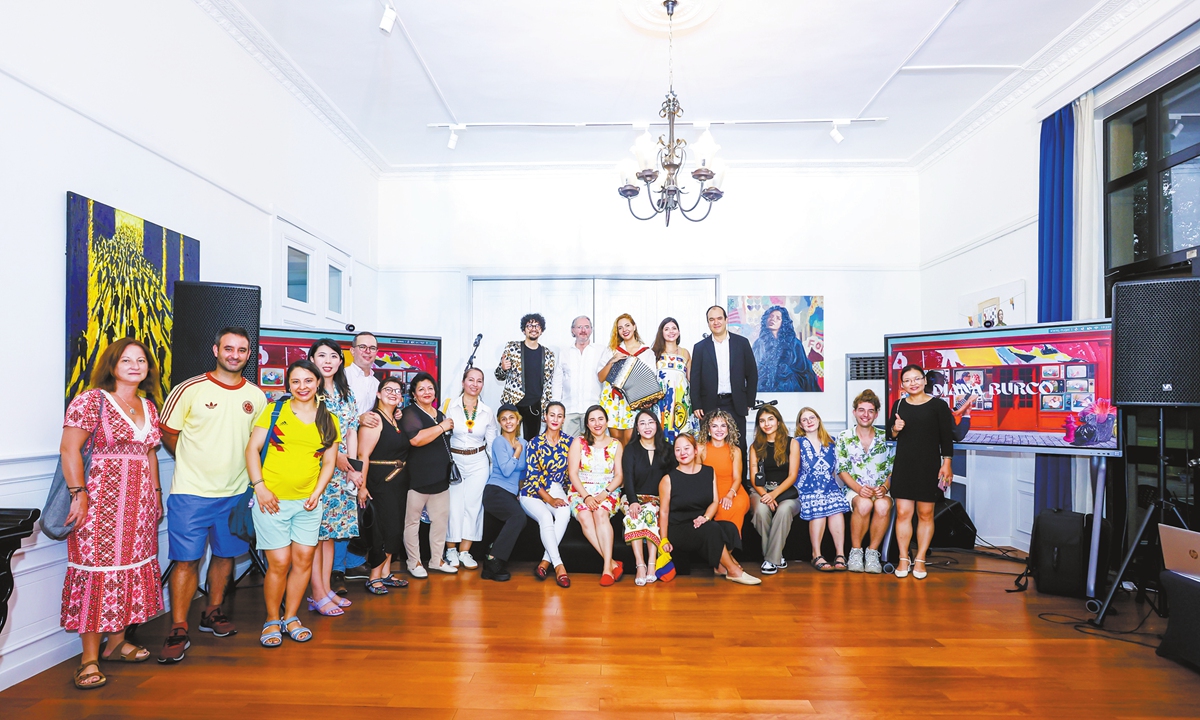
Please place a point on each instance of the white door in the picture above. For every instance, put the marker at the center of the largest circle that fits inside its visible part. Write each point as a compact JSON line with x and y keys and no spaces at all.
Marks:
{"x":649,"y":301}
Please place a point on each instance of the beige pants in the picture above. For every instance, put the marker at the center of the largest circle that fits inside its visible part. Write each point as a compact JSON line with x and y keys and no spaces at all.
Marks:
{"x":773,"y":527}
{"x":439,"y":516}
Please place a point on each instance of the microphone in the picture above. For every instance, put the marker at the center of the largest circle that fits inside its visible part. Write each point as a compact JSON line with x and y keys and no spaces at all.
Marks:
{"x":477,"y":339}
{"x":763,"y":404}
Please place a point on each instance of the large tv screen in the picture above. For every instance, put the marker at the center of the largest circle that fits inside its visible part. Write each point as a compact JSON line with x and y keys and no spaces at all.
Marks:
{"x":401,"y":356}
{"x":1033,"y":388}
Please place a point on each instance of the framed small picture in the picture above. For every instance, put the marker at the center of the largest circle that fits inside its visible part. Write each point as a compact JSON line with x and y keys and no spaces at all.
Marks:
{"x":1051,"y":372}
{"x":1052,"y":386}
{"x":1081,"y":401}
{"x":1052,"y":402}
{"x":970,"y":378}
{"x":270,"y":377}
{"x":1077,"y":386}
{"x":1077,"y":371}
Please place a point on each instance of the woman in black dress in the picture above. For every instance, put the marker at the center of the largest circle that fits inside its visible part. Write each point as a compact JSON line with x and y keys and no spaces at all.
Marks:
{"x":383,"y":450}
{"x":428,"y":472}
{"x":923,"y":428}
{"x":689,"y":500}
{"x":645,"y":461}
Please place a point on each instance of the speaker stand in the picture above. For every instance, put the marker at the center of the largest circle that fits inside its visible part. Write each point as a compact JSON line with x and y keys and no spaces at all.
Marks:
{"x":1157,"y":510}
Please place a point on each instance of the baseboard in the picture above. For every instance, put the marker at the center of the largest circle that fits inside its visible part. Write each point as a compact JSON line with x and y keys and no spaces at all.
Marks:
{"x":37,"y":655}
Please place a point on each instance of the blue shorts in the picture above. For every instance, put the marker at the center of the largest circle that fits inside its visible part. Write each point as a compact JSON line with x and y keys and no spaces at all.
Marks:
{"x":193,"y":520}
{"x":292,"y":524}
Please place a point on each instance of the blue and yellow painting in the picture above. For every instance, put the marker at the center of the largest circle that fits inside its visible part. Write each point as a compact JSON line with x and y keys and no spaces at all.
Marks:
{"x":121,"y":274}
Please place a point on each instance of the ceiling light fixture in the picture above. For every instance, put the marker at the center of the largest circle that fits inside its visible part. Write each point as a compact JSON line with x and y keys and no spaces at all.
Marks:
{"x":453,"y":141}
{"x":670,"y":155}
{"x":389,"y":19}
{"x":837,"y":136}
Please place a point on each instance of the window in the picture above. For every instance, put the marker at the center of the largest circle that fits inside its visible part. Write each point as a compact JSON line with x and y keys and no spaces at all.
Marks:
{"x":1152,"y":174}
{"x":335,"y":290}
{"x":316,"y":279}
{"x":297,"y":274}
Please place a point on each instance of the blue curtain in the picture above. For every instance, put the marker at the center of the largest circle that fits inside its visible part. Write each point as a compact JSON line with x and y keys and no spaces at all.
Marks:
{"x":1052,"y":478}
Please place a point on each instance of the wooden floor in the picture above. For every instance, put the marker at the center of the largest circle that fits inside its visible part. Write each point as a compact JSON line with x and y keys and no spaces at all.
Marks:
{"x":803,"y":643}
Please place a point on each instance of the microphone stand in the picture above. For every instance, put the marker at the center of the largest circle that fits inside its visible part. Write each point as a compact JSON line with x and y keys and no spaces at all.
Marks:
{"x":471,"y":360}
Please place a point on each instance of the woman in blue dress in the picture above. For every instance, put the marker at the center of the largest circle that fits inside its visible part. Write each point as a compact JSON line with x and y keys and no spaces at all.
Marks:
{"x":822,"y":499}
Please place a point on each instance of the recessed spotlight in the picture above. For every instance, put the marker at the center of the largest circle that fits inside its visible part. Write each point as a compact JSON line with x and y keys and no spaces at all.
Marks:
{"x":389,"y":19}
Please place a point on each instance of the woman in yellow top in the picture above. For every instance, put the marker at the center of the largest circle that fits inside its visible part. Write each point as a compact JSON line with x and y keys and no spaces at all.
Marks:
{"x":300,"y":460}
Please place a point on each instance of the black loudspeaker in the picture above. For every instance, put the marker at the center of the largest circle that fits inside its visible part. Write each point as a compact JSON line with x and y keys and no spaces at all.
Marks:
{"x":952,"y":527}
{"x":1156,"y":342}
{"x":201,"y":310}
{"x":1059,"y":550}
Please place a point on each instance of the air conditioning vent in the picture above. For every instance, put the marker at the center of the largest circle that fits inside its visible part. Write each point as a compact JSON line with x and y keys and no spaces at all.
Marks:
{"x":866,"y":367}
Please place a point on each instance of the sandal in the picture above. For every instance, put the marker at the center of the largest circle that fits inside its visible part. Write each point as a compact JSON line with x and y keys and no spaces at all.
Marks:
{"x":376,"y":587}
{"x":341,"y":601}
{"x":81,"y":676}
{"x":300,"y":633}
{"x":820,"y":563}
{"x":541,"y":571}
{"x":274,"y":638}
{"x":127,"y":657}
{"x":839,"y":562}
{"x":392,"y":581}
{"x":640,"y":580}
{"x":563,"y":581}
{"x":323,"y":607}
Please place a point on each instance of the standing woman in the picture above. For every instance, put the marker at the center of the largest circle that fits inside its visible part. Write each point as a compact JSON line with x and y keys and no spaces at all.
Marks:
{"x":428,"y":473}
{"x":474,"y":430}
{"x":383,"y":449}
{"x":822,"y":499}
{"x":113,"y":578}
{"x":301,"y":456}
{"x":719,"y":450}
{"x":500,"y":495}
{"x":543,"y":496}
{"x":644,"y":462}
{"x":339,"y":516}
{"x":674,"y":370}
{"x":923,"y":428}
{"x":624,"y":343}
{"x":775,"y":461}
{"x":594,"y":467}
{"x":689,"y":501}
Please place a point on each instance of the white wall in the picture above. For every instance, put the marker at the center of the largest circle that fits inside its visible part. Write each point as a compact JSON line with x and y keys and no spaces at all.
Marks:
{"x":150,"y":107}
{"x":851,"y":236}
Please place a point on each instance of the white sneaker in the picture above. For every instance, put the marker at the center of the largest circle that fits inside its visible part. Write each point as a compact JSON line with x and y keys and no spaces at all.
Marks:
{"x":452,"y":557}
{"x":467,"y":561}
{"x":872,"y":562}
{"x":418,"y":572}
{"x":782,"y":564}
{"x":855,"y":561}
{"x":768,"y":568}
{"x":446,"y":568}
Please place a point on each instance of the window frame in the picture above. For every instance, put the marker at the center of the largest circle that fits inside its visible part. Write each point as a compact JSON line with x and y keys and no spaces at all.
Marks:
{"x":290,"y":241}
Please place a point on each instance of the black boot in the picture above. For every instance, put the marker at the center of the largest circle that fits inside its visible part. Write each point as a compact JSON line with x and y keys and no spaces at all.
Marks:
{"x":495,"y":569}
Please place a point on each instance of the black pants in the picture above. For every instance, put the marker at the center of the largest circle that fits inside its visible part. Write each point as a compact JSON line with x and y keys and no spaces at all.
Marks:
{"x":389,"y":500}
{"x":503,"y":504}
{"x":531,"y":420}
{"x":708,"y":541}
{"x":725,"y":402}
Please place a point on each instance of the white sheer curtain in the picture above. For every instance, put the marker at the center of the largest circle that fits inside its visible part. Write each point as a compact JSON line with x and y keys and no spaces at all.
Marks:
{"x":1088,"y":300}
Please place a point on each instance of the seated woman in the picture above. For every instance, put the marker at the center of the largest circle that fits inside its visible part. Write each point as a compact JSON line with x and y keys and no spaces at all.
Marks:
{"x":775,"y":461}
{"x":500,"y":493}
{"x":542,"y":495}
{"x":719,"y":450}
{"x":689,"y":501}
{"x":822,"y":500}
{"x":383,"y":449}
{"x":646,"y":459}
{"x":594,"y":467}
{"x":288,"y":484}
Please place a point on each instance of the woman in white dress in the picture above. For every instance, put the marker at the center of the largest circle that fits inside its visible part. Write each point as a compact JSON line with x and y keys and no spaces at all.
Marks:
{"x":474,"y":430}
{"x":624,"y":343}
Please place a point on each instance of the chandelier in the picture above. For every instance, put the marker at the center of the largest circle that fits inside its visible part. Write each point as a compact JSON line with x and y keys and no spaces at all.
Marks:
{"x":670,"y":154}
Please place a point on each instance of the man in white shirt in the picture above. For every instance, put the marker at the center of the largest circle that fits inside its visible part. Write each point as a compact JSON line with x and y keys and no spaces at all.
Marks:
{"x":724,"y":373}
{"x":580,"y":385}
{"x":361,"y":375}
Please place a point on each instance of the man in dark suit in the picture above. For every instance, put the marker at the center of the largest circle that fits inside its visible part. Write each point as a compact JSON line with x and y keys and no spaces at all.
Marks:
{"x":724,"y":374}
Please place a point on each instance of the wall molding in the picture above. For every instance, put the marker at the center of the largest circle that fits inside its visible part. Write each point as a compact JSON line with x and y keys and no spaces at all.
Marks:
{"x":490,"y":272}
{"x":980,"y":241}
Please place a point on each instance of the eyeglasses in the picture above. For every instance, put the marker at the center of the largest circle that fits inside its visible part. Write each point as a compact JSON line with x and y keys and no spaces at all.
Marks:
{"x":391,"y":391}
{"x":368,"y":348}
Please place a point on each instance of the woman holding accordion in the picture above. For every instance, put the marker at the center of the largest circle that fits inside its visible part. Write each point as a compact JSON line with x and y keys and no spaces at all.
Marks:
{"x":625,"y":343}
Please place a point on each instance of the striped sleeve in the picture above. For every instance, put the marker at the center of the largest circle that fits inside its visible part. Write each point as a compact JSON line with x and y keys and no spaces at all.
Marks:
{"x":178,"y":403}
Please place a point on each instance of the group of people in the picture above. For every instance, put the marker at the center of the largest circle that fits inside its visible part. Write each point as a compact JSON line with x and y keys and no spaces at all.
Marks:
{"x":678,"y":471}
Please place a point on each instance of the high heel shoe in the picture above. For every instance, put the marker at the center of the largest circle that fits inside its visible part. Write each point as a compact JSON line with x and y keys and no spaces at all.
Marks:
{"x":918,"y":574}
{"x":903,"y":573}
{"x":640,"y":580}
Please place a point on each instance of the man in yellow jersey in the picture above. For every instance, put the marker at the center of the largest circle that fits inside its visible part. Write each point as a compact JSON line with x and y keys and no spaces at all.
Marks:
{"x":206,"y":423}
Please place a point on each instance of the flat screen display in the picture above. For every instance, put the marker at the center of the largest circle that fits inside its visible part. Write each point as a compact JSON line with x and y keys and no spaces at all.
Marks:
{"x":401,"y":356}
{"x":1033,"y":388}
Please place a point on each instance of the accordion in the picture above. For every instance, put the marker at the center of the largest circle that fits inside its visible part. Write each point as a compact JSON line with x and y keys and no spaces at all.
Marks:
{"x":637,"y":383}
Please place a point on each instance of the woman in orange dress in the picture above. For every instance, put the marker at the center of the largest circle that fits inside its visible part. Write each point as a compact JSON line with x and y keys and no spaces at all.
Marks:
{"x":719,"y":450}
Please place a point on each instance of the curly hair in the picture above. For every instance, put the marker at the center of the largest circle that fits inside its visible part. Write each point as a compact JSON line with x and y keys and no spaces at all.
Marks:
{"x":732,"y":436}
{"x":614,"y":340}
{"x":535,"y":317}
{"x":774,"y":345}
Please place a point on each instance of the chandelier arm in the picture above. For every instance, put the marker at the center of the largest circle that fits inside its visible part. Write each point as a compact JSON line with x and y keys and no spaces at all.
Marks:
{"x":699,"y":219}
{"x":699,"y":197}
{"x":653,"y":208}
{"x":639,"y":217}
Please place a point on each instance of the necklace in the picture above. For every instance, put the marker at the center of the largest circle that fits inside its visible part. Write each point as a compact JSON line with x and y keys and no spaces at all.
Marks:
{"x":131,"y":409}
{"x":391,"y":420}
{"x":471,"y":415}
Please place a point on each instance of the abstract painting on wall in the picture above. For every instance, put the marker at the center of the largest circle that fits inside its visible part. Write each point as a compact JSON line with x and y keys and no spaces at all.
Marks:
{"x":121,"y":274}
{"x":787,"y":333}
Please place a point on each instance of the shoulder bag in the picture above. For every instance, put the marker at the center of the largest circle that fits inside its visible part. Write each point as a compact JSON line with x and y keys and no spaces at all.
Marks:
{"x":58,"y":501}
{"x":241,"y":517}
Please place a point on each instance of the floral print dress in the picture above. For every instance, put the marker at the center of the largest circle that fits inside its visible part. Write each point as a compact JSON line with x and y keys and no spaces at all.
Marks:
{"x":339,"y":520}
{"x":675,"y":408}
{"x":597,"y":468}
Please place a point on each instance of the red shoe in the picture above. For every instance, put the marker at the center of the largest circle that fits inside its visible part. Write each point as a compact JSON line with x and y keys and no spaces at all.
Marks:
{"x":563,"y":581}
{"x":619,"y":572}
{"x":606,"y":580}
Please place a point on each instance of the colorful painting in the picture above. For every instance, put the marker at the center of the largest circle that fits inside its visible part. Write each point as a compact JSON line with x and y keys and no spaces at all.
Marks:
{"x":121,"y":274}
{"x":787,"y":333}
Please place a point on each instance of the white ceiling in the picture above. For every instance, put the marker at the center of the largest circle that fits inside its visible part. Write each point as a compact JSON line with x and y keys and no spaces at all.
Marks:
{"x":583,"y":61}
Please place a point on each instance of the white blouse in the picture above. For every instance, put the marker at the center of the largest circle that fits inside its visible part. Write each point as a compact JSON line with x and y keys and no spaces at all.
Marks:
{"x":482,"y":431}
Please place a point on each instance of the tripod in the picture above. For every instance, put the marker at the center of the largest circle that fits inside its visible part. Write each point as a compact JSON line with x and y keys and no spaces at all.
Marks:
{"x":1156,"y":511}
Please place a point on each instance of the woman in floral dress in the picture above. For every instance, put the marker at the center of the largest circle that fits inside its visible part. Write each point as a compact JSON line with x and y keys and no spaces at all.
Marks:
{"x":595,"y":471}
{"x":624,"y":343}
{"x":822,"y":499}
{"x":113,"y":578}
{"x":339,"y":518}
{"x":674,"y":370}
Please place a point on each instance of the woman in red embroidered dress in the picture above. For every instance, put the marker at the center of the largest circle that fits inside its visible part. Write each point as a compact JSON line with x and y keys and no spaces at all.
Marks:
{"x":113,"y":578}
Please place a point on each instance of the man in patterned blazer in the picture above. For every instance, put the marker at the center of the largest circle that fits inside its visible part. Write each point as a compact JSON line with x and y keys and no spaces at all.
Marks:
{"x":527,"y":371}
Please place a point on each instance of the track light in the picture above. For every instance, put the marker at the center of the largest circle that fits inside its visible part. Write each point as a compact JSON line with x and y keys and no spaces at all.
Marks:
{"x":389,"y":19}
{"x":837,"y":136}
{"x":453,"y":142}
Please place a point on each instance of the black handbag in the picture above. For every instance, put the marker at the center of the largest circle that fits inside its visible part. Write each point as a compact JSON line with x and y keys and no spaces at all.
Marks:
{"x":241,"y":517}
{"x":455,"y":476}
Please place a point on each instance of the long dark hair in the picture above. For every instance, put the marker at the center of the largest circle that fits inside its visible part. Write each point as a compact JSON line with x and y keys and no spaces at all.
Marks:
{"x":589,"y":438}
{"x":781,"y":436}
{"x":378,"y":407}
{"x":660,"y":443}
{"x":660,"y":343}
{"x":339,"y":377}
{"x":326,"y":425}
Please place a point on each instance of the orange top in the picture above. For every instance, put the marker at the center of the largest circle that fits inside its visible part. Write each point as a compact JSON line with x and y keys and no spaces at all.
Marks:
{"x":721,"y":461}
